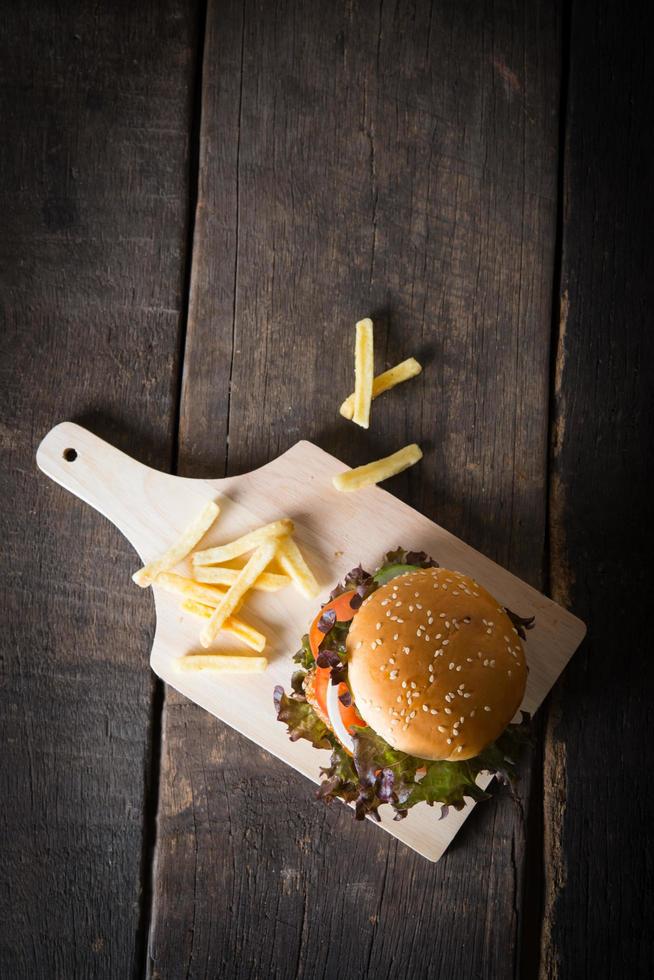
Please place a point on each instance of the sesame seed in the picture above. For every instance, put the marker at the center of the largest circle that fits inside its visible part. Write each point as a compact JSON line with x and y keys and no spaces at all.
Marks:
{"x":445,"y":587}
{"x":459,"y":667}
{"x":472,"y":713}
{"x":384,"y":602}
{"x":452,"y":666}
{"x":431,"y":678}
{"x":447,"y":625}
{"x":438,"y":636}
{"x":391,"y":660}
{"x":393,"y":722}
{"x":469,"y":660}
{"x":403,"y":683}
{"x":430,"y":620}
{"x":466,"y":695}
{"x":416,"y":594}
{"x":433,"y":711}
{"x":396,"y":636}
{"x":442,"y":728}
{"x":393,"y":674}
{"x":486,"y":707}
{"x":377,"y":626}
{"x":425,"y":707}
{"x":448,"y":698}
{"x":398,"y":603}
{"x":400,"y":620}
{"x":406,"y":649}
{"x":413,"y":685}
{"x":485,"y":663}
{"x":399,"y":699}
{"x":359,"y":644}
{"x":441,"y":615}
{"x":489,"y":630}
{"x":460,"y":748}
{"x":492,"y":663}
{"x":383,"y":667}
{"x":449,"y":741}
{"x":461,"y":720}
{"x":410,"y":608}
{"x":448,"y":711}
{"x":454,"y":592}
{"x":418,"y":606}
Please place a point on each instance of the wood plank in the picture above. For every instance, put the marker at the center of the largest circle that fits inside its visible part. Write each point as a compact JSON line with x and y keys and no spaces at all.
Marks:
{"x":599,"y":756}
{"x":96,"y":110}
{"x":399,"y":162}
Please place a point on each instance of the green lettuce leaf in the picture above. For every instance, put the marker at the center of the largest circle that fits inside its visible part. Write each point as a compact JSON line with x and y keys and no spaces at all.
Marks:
{"x":301,"y":720}
{"x":388,"y":572}
{"x":304,"y":657}
{"x":339,"y":778}
{"x":447,"y":783}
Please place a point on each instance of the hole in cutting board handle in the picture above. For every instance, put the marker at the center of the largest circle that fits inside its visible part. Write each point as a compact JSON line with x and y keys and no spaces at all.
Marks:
{"x":70,"y":455}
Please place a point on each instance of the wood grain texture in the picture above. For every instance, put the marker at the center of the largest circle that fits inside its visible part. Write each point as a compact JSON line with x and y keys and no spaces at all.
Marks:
{"x":599,"y":753}
{"x":397,"y":161}
{"x":95,"y":109}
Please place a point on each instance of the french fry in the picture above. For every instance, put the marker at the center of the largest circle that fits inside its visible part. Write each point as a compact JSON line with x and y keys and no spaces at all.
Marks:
{"x":267,"y":581}
{"x":380,"y":469}
{"x":384,"y":382}
{"x":364,"y":370}
{"x":186,"y":587}
{"x":227,"y":663}
{"x":269,"y":532}
{"x":236,"y":627}
{"x":245,"y":579}
{"x":178,"y":551}
{"x":292,"y":561}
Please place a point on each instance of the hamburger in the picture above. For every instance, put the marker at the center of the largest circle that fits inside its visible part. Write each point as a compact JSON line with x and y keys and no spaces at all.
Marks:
{"x":411,"y":676}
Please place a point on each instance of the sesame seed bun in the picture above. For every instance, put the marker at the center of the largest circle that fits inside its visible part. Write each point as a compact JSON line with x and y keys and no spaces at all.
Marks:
{"x":435,"y":665}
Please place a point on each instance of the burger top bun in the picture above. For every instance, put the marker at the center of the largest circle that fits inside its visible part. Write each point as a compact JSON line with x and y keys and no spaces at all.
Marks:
{"x":435,"y":665}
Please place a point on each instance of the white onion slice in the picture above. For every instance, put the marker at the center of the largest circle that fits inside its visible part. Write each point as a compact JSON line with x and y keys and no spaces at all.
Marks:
{"x":334,"y":712}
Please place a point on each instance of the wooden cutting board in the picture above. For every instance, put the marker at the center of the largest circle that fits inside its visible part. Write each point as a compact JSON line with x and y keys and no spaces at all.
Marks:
{"x":335,"y":531}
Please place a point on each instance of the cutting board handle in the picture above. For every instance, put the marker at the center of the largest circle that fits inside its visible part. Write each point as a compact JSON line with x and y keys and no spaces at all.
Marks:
{"x":99,"y":474}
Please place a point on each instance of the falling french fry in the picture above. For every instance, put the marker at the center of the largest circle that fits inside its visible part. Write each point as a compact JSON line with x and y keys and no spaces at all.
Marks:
{"x":378,"y":470}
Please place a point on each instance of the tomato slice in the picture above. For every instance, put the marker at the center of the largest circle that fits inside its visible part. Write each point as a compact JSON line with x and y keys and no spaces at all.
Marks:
{"x":344,"y":613}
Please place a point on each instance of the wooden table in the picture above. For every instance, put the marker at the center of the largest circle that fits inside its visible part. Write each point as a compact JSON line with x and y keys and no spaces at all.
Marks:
{"x":198,"y":202}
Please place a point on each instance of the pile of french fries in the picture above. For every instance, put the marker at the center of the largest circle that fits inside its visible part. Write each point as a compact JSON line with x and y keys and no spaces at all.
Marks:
{"x":357,"y":406}
{"x":217,"y":591}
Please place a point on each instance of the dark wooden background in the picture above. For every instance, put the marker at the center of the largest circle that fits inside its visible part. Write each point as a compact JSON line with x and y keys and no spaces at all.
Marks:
{"x":198,"y":201}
